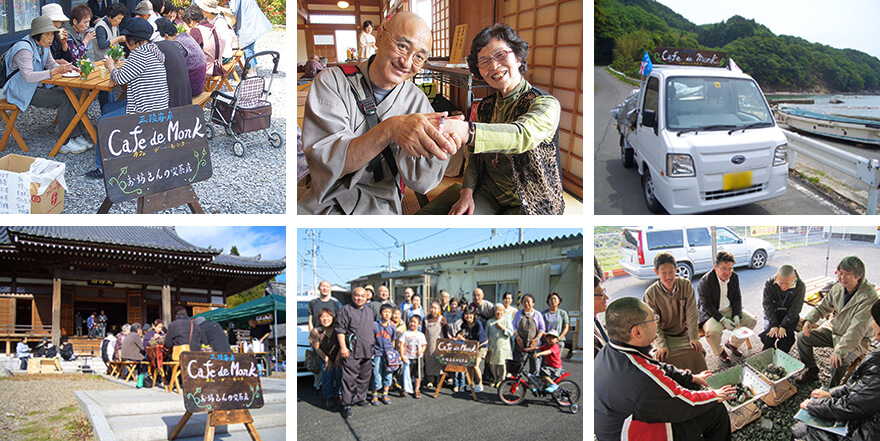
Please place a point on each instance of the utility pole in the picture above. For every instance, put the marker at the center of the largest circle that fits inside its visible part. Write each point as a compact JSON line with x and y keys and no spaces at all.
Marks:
{"x":389,"y":261}
{"x":520,"y":235}
{"x":404,"y":250}
{"x":314,"y":252}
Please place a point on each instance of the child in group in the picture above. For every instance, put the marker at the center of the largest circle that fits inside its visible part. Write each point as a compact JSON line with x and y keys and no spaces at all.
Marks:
{"x":412,"y":345}
{"x":397,"y":320}
{"x":386,"y":334}
{"x":459,"y":381}
{"x":551,"y":368}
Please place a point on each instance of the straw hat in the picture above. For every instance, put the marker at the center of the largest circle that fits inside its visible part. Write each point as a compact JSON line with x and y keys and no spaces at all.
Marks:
{"x":41,"y":25}
{"x":54,"y":12}
{"x":208,"y":6}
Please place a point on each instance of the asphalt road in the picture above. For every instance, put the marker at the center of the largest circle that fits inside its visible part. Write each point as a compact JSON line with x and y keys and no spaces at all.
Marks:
{"x":618,"y":190}
{"x":445,"y":418}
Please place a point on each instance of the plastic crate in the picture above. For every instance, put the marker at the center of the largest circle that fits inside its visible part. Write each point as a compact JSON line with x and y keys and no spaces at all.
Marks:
{"x":740,"y":374}
{"x":759,"y":362}
{"x":782,"y":389}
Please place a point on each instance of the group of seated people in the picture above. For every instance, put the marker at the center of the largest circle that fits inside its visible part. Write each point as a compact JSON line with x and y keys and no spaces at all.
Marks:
{"x":651,"y":365}
{"x":502,"y":332}
{"x":162,"y":45}
{"x":43,"y":349}
{"x":361,"y":162}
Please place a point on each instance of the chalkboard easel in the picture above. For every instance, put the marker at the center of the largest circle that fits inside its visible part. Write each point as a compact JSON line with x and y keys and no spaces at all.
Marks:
{"x":221,"y":418}
{"x":157,"y":202}
{"x":454,"y":368}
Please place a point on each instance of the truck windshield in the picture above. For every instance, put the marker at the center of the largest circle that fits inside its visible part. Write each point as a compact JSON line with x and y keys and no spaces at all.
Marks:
{"x":709,"y":103}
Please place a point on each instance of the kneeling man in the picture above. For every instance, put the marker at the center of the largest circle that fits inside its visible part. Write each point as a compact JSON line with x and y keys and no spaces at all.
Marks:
{"x":721,"y":306}
{"x":673,"y":300}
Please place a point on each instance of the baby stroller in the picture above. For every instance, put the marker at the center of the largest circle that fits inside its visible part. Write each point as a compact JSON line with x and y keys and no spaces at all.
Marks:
{"x":246,"y":110}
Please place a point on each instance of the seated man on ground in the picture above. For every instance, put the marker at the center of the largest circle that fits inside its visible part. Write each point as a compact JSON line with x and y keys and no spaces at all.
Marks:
{"x":638,"y":397}
{"x":721,"y":306}
{"x":673,"y":299}
{"x":357,"y":162}
{"x":313,"y":66}
{"x":857,"y":402}
{"x":783,"y":300}
{"x":849,"y":330}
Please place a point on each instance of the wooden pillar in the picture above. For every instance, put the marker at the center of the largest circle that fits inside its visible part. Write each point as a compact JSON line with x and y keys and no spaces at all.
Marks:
{"x":13,"y":309}
{"x":56,"y":311}
{"x":166,"y":301}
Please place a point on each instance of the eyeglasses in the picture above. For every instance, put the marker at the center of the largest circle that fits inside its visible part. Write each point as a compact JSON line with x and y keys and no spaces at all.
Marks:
{"x":497,"y":56}
{"x":602,"y":293}
{"x":404,"y":49}
{"x":655,"y":319}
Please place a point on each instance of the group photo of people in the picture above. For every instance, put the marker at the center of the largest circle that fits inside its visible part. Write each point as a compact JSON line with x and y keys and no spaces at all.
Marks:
{"x":655,"y":353}
{"x":414,"y":110}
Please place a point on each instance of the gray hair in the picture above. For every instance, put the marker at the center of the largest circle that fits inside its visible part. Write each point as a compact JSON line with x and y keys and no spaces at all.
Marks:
{"x":621,"y":315}
{"x":135,"y":327}
{"x":785,"y":271}
{"x":126,"y":327}
{"x":853,"y":264}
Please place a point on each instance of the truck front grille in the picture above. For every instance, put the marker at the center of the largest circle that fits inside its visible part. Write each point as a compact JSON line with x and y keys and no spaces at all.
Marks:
{"x":722,"y":194}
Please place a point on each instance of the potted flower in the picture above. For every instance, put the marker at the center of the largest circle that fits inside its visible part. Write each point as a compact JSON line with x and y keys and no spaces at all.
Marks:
{"x":85,"y":68}
{"x":115,"y":53}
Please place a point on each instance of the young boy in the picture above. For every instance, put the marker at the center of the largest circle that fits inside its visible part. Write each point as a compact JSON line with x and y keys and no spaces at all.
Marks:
{"x":412,"y":345}
{"x":552,"y":366}
{"x":385,"y":334}
{"x":459,"y":382}
{"x":397,"y":320}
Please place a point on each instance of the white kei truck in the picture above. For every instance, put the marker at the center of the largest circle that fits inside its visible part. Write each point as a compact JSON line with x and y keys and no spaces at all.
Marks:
{"x":702,"y":138}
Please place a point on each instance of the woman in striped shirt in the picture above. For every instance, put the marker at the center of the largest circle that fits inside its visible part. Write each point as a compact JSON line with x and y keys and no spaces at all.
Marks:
{"x":143,"y":72}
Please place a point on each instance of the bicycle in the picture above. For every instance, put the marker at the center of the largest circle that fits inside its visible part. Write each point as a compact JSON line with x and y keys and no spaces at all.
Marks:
{"x":513,"y":389}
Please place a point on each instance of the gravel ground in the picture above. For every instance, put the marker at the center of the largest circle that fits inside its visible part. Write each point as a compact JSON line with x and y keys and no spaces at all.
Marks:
{"x":36,"y":398}
{"x":254,"y":183}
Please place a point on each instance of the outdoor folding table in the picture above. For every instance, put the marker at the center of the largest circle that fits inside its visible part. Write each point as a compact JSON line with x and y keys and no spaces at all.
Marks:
{"x":90,"y":88}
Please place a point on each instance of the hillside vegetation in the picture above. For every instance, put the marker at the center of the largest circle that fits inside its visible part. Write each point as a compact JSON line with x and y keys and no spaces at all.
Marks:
{"x":625,"y":29}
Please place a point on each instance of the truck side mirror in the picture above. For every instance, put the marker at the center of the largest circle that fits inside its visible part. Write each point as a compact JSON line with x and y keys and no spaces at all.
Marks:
{"x":649,"y":119}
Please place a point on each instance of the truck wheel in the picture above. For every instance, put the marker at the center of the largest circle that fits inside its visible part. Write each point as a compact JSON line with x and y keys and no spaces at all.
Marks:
{"x":626,"y":155}
{"x":648,"y":191}
{"x":759,"y":259}
{"x":684,"y":270}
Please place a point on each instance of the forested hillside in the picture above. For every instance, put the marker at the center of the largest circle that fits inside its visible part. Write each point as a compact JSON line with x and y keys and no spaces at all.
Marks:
{"x":624,"y":29}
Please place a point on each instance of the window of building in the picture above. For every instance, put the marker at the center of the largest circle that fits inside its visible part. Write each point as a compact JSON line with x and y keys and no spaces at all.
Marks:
{"x":554,"y":31}
{"x":440,"y":28}
{"x":24,"y":12}
{"x":331,"y":19}
{"x":492,"y":291}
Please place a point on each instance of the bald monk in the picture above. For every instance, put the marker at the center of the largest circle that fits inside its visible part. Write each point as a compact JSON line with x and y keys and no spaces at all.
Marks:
{"x":349,"y":173}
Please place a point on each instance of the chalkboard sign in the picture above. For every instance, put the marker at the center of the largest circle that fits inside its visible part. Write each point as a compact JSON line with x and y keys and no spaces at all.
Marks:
{"x":689,"y":57}
{"x":150,"y":153}
{"x":457,"y":352}
{"x":220,"y":381}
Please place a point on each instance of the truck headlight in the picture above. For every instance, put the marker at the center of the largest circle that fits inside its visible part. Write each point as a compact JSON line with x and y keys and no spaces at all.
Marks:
{"x":780,"y":156}
{"x":679,"y":165}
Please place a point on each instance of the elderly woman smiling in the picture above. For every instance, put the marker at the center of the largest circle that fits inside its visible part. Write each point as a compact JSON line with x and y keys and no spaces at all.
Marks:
{"x":513,"y":166}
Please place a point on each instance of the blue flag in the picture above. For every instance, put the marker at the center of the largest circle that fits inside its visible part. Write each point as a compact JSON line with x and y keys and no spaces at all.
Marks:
{"x":646,"y":67}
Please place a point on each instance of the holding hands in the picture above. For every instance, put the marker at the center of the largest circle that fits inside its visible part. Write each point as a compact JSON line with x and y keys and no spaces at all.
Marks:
{"x":420,"y":134}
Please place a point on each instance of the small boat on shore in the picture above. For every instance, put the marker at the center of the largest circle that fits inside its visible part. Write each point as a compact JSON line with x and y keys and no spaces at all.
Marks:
{"x":864,"y":131}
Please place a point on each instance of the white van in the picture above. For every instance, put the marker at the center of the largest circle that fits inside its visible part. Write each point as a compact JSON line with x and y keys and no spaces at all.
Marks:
{"x":692,"y":248}
{"x":702,"y":138}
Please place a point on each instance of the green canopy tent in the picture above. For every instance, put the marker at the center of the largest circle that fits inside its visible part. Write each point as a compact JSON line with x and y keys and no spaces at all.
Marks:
{"x":272,"y":304}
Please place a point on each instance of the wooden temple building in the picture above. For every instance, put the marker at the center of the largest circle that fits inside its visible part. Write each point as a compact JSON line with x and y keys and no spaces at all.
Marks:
{"x":135,"y":274}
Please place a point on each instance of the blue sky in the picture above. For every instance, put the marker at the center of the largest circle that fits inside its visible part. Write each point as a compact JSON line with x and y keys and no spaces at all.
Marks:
{"x":269,"y":242}
{"x":841,"y":24}
{"x":347,"y":253}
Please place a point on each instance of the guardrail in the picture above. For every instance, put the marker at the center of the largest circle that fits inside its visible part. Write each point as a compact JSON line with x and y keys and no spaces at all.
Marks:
{"x":859,"y":167}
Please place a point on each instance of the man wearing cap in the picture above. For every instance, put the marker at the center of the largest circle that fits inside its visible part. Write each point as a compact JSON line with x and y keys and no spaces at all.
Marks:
{"x":848,"y":332}
{"x":60,"y":49}
{"x":34,"y":64}
{"x":145,"y":10}
{"x":355,"y":166}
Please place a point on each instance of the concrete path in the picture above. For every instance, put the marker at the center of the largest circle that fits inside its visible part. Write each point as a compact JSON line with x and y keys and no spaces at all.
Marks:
{"x":152,"y":414}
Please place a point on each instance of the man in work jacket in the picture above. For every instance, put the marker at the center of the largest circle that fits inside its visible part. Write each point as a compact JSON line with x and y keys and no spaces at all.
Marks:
{"x":639,"y":398}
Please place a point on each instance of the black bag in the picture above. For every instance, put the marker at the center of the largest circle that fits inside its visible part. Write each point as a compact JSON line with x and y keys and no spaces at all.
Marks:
{"x":313,"y":364}
{"x":4,"y":78}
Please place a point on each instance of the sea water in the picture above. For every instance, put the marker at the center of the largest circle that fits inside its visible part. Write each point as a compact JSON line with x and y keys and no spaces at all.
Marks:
{"x":852,"y":106}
